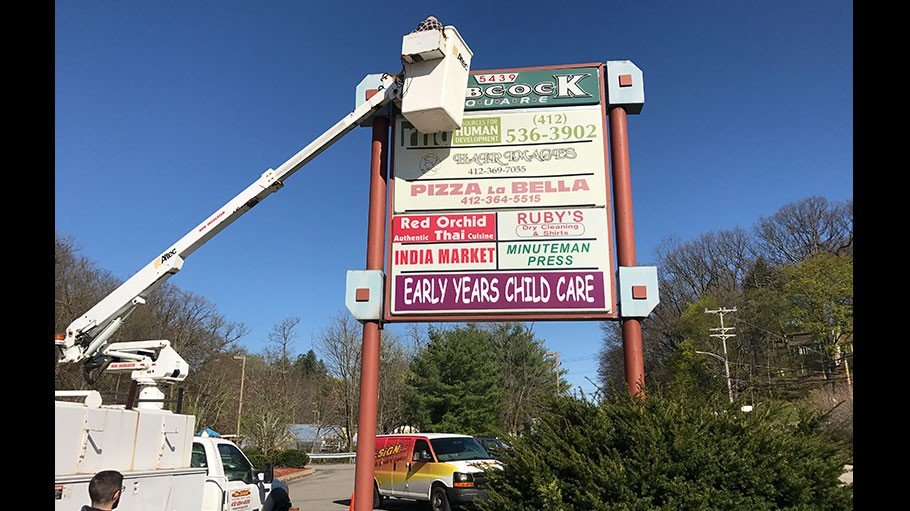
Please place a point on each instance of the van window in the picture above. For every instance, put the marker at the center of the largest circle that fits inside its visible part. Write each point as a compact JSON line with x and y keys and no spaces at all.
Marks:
{"x":420,"y":445}
{"x":458,"y":448}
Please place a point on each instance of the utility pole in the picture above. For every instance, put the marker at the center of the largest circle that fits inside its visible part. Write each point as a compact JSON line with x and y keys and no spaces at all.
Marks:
{"x":723,"y":336}
{"x":240,"y":404}
{"x":555,"y":355}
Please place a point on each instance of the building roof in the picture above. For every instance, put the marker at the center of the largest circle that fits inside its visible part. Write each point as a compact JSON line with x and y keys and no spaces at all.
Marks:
{"x":308,"y":432}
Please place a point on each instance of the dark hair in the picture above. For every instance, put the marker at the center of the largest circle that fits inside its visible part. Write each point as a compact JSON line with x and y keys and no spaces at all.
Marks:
{"x":103,"y":485}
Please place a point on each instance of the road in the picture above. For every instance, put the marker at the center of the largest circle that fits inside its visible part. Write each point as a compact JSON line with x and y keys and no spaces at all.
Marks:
{"x":330,"y":489}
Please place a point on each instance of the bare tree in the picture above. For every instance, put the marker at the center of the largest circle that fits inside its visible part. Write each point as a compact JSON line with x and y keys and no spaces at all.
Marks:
{"x":805,"y":227}
{"x":267,"y":409}
{"x":393,"y":383}
{"x":417,"y":337}
{"x":274,"y":391}
{"x":214,"y":393}
{"x":528,"y":378}
{"x":280,"y":351}
{"x":715,"y":262}
{"x":340,"y":347}
{"x":610,"y":362}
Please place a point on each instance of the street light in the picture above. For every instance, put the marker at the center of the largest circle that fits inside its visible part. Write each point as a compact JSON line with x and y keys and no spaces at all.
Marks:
{"x":240,"y":405}
{"x":726,"y":367}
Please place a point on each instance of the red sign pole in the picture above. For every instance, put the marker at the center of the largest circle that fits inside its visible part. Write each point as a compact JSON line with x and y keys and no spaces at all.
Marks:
{"x":369,"y":369}
{"x":625,"y":243}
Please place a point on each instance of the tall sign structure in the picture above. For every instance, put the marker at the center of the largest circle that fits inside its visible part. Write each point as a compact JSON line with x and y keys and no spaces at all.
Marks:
{"x":508,"y":218}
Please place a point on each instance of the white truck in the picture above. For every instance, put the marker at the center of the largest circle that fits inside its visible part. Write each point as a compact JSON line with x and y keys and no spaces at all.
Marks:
{"x":165,"y":468}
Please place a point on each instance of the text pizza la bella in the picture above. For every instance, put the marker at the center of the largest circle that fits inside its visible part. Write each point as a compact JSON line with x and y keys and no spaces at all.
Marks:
{"x":555,"y":186}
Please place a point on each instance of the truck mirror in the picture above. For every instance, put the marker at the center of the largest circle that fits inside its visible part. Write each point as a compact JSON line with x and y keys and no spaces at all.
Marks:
{"x":267,"y":475}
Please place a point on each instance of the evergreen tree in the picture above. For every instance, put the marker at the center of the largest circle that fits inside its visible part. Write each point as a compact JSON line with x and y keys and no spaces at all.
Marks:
{"x":527,"y":376}
{"x":456,"y":382}
{"x":670,"y":452}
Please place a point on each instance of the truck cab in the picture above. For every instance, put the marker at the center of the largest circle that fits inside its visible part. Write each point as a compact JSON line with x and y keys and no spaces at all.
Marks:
{"x":232,"y":482}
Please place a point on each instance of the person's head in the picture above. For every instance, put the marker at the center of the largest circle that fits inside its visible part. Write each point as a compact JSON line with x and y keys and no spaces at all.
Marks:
{"x":104,"y":489}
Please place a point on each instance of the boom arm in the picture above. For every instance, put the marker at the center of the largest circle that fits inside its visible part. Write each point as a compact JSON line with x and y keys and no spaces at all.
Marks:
{"x":88,"y":335}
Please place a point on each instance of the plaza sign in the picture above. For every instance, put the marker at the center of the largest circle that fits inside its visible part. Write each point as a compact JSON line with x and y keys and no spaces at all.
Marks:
{"x":523,"y":89}
{"x":509,"y":215}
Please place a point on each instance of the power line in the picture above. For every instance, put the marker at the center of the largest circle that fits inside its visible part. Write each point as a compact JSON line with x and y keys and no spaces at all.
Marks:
{"x":779,"y":368}
{"x":579,"y":359}
{"x":785,"y":338}
{"x":798,"y":383}
{"x":579,"y":373}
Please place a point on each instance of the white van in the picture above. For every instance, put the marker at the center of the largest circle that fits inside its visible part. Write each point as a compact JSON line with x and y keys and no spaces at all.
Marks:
{"x":441,"y":468}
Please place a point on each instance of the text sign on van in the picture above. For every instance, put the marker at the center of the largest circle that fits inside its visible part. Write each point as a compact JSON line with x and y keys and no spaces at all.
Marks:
{"x":508,"y":215}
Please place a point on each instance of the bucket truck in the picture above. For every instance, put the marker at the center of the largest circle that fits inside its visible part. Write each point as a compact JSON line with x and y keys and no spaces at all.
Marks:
{"x":164,"y":466}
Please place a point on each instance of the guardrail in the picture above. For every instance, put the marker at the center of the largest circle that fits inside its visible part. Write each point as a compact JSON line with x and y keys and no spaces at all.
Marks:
{"x":322,"y":456}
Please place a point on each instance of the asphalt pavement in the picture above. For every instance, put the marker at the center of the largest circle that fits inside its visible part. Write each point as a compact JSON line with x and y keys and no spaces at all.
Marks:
{"x":330,"y":489}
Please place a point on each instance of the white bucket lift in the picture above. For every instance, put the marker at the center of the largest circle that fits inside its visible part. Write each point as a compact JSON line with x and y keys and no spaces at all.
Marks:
{"x":436,"y":66}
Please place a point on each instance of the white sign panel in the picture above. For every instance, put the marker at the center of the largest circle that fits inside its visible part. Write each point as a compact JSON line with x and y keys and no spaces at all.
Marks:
{"x":552,"y":238}
{"x":505,"y":159}
{"x":551,"y":223}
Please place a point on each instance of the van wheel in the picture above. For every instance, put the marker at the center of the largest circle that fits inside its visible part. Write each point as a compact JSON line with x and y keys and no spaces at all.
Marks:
{"x":439,"y":499}
{"x":377,"y":498}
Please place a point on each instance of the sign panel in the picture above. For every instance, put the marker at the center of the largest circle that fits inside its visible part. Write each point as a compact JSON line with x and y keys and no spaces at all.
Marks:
{"x":524,"y":89}
{"x":499,"y":292}
{"x":509,"y":214}
{"x":443,"y":228}
{"x":541,"y":259}
{"x":559,"y":238}
{"x":537,"y":158}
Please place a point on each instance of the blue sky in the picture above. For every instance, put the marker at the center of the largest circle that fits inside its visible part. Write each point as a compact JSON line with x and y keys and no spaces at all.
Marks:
{"x":165,"y":110}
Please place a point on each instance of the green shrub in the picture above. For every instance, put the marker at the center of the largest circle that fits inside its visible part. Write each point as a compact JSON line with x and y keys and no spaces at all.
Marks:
{"x":670,"y":453}
{"x":292,"y":458}
{"x":258,"y":458}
